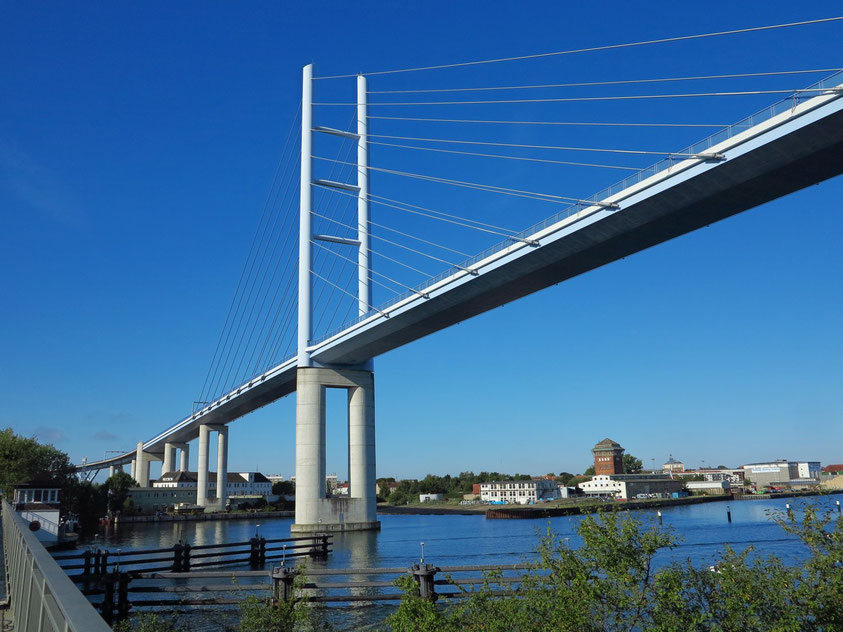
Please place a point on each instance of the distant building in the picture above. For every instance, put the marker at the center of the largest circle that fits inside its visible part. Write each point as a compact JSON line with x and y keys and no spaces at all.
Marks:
{"x":783,"y":474}
{"x":735,"y":476}
{"x":709,"y":487}
{"x":519,"y":492}
{"x":608,"y":458}
{"x":146,"y":499}
{"x":239,"y":483}
{"x":568,"y":492}
{"x":275,"y":478}
{"x":631,"y":485}
{"x":429,"y":498}
{"x":833,"y":470}
{"x":38,"y":504}
{"x":673,"y":465}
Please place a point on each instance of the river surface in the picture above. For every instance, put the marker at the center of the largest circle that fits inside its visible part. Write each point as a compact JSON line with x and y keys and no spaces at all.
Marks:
{"x":451,"y":540}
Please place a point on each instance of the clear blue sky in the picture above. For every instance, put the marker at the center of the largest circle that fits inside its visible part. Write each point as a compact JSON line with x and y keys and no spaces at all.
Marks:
{"x":137,"y":143}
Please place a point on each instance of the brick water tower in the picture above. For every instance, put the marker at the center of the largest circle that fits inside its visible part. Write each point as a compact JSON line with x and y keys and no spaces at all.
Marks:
{"x":608,"y":457}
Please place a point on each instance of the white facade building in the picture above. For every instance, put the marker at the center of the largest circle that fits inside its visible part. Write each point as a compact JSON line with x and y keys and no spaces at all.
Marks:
{"x":783,"y":474}
{"x":519,"y":492}
{"x":631,"y":485}
{"x":709,"y":487}
{"x":239,"y":483}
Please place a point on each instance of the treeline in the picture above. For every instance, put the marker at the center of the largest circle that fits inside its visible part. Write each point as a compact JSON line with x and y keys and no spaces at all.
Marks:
{"x":24,"y":460}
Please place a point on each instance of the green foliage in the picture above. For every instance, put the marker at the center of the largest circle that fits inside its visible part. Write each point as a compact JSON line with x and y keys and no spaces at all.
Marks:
{"x":117,"y":489}
{"x":631,"y":465}
{"x":609,"y":583}
{"x":283,"y":488}
{"x":147,"y":622}
{"x":589,"y":471}
{"x":452,"y":487}
{"x":565,"y":478}
{"x":262,"y":615}
{"x":90,"y":503}
{"x":23,"y":459}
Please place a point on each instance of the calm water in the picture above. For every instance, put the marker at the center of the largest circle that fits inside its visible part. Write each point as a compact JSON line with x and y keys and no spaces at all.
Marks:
{"x":454,"y":540}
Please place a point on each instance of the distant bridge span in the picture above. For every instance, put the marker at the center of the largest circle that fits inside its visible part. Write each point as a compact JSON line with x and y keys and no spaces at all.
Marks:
{"x":796,"y":147}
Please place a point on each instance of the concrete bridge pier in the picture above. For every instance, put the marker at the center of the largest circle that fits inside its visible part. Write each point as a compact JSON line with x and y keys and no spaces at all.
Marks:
{"x":169,"y":458}
{"x":111,"y":470}
{"x":202,"y":498}
{"x":184,"y":456}
{"x":141,"y":464}
{"x":315,"y":511}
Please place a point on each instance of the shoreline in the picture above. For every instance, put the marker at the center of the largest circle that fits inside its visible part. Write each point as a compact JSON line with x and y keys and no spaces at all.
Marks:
{"x":203,"y":516}
{"x":498,"y":512}
{"x":493,"y":512}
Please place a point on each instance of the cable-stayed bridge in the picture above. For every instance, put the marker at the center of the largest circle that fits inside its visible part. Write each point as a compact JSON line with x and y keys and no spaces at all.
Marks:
{"x":284,"y":332}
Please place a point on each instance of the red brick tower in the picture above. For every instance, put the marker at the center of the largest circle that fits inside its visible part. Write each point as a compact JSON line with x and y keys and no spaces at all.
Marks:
{"x":608,"y":457}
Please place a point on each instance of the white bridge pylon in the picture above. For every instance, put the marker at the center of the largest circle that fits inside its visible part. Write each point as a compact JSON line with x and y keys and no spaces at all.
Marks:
{"x":315,"y":511}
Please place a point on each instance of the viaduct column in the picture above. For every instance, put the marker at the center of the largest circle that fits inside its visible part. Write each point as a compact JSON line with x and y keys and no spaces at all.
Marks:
{"x":202,"y":466}
{"x":141,"y":466}
{"x":361,"y":444}
{"x":222,"y":466}
{"x":111,"y":471}
{"x":184,"y":453}
{"x":169,"y":458}
{"x":132,"y":469}
{"x":310,"y":447}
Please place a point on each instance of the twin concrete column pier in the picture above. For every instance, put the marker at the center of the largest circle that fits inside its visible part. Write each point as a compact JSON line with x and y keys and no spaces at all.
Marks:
{"x":184,"y":456}
{"x":315,"y":511}
{"x":169,"y":463}
{"x":141,"y":464}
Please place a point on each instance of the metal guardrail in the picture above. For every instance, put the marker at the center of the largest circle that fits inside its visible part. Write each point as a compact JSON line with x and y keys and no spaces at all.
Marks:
{"x":175,"y":591}
{"x":42,"y":597}
{"x":182,"y":557}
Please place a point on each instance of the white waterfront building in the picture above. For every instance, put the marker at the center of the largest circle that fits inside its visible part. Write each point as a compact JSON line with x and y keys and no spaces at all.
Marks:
{"x":239,"y":483}
{"x":519,"y":492}
{"x":631,"y":485}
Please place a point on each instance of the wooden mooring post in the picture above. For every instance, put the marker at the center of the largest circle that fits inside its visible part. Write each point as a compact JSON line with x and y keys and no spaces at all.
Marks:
{"x":123,"y":605}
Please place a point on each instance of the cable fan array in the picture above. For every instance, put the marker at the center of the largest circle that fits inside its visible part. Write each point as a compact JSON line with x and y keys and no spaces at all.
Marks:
{"x":452,"y":175}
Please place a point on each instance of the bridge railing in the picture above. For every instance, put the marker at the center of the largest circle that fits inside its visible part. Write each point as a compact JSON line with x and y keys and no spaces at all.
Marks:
{"x":41,"y":596}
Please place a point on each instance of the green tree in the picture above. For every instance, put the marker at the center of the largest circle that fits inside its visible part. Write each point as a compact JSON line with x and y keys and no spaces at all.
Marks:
{"x":117,"y":489}
{"x":23,"y":459}
{"x":564,"y":477}
{"x":631,"y":465}
{"x":589,"y":471}
{"x":283,"y":488}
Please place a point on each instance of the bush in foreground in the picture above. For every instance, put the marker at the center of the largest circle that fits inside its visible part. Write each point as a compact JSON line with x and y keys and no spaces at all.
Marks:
{"x":609,"y":583}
